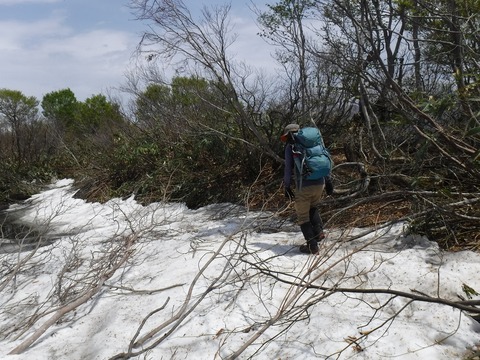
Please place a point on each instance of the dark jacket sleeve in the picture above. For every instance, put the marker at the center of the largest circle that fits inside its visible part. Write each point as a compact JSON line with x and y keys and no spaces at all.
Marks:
{"x":287,"y":174}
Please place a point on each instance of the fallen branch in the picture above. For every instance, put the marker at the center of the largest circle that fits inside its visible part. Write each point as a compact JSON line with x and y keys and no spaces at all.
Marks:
{"x":87,"y":295}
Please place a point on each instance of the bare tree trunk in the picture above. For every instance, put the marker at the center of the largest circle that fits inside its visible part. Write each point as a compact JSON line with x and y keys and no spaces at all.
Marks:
{"x":416,"y":49}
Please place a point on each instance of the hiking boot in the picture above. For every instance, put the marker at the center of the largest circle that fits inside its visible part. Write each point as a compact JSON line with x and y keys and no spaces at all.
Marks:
{"x":317,"y":224}
{"x":311,"y":247}
{"x":307,"y":249}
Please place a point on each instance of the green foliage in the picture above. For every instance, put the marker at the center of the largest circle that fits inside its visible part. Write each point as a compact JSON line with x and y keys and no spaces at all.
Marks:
{"x":469,"y":291}
{"x":151,"y":104}
{"x":188,"y":91}
{"x":18,"y":113}
{"x":60,"y":107}
{"x":184,"y":147}
{"x":283,"y":12}
{"x":438,"y":106}
{"x":132,"y":159}
{"x":97,"y":112}
{"x":18,"y":183}
{"x":473,"y":131}
{"x":17,"y":108}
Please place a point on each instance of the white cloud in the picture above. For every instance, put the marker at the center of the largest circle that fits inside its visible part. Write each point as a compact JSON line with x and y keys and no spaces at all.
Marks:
{"x":88,"y":45}
{"x":249,"y":46}
{"x":47,"y":55}
{"x":18,"y":34}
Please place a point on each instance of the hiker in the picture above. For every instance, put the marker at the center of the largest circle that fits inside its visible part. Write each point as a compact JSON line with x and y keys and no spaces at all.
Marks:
{"x":307,"y":195}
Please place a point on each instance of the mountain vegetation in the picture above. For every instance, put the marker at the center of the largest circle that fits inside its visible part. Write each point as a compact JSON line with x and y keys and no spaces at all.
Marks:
{"x":394,"y":86}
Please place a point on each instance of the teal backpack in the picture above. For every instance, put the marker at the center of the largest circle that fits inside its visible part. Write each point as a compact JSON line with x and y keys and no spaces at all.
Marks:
{"x":312,"y":159}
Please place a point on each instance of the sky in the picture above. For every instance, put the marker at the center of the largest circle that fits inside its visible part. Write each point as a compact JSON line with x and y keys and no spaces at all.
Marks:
{"x":89,"y":45}
{"x":220,"y":280}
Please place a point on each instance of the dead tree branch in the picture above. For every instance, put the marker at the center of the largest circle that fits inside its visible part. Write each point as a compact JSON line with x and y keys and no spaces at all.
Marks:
{"x":114,"y":265}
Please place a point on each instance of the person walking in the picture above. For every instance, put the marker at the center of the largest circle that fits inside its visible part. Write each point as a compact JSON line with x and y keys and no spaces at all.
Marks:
{"x":307,"y":196}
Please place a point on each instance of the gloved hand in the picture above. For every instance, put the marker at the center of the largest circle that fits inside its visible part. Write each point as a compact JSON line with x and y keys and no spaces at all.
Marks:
{"x":328,"y":186}
{"x":289,"y":194}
